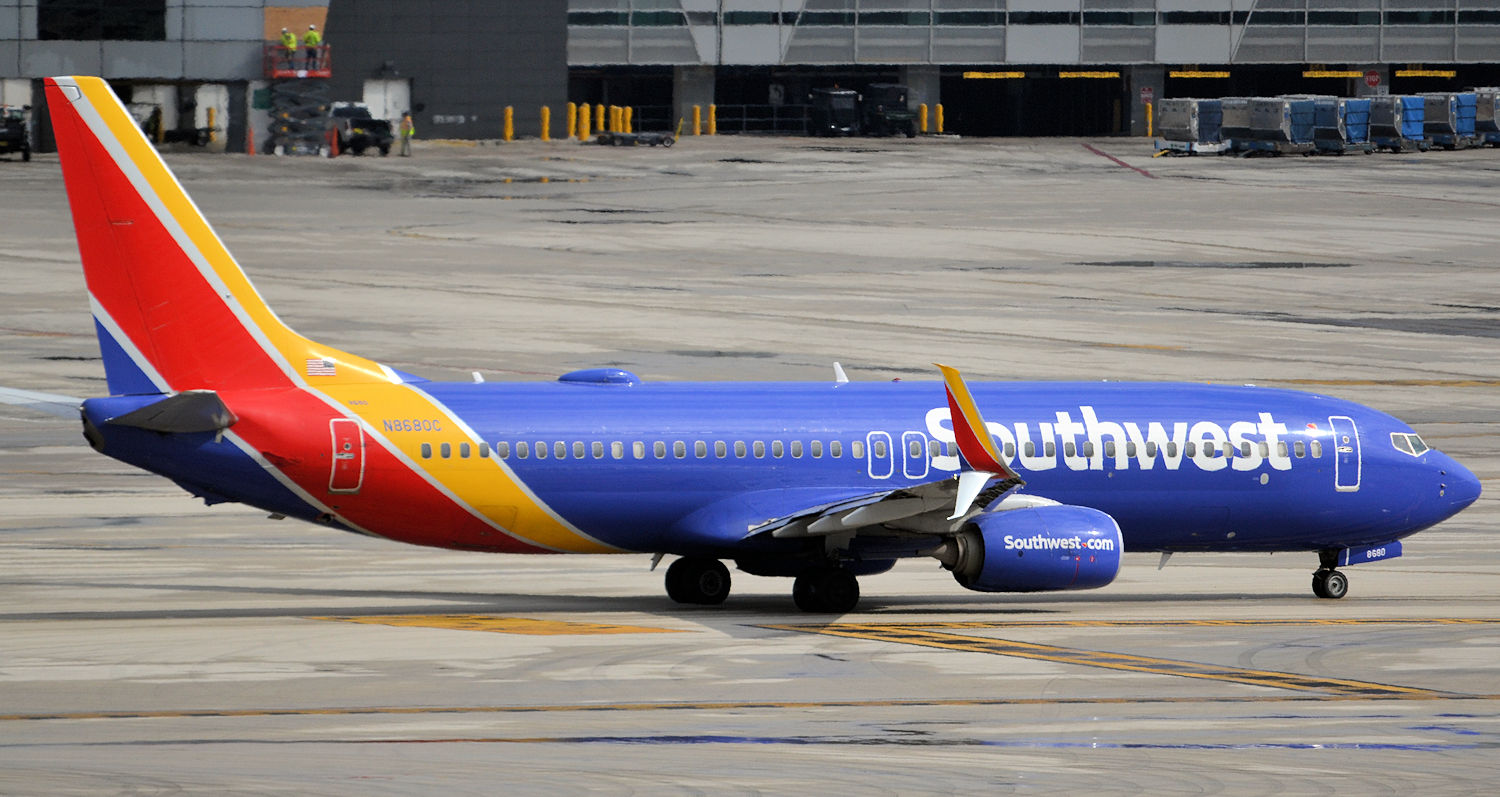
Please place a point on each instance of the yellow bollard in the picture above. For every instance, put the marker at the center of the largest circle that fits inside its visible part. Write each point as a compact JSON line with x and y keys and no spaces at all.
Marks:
{"x":211,"y":135}
{"x":939,"y":117}
{"x":697,"y":120}
{"x":922,"y":117}
{"x":713,"y":120}
{"x":546,"y":123}
{"x":599,"y":117}
{"x":1148,"y":120}
{"x":616,"y":119}
{"x":583,"y":122}
{"x":510,"y":123}
{"x":629,"y":119}
{"x":572,"y":119}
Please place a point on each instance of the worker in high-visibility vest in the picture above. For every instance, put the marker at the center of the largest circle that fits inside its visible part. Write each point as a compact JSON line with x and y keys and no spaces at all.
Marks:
{"x":312,"y":40}
{"x":288,"y":46}
{"x":407,"y":130}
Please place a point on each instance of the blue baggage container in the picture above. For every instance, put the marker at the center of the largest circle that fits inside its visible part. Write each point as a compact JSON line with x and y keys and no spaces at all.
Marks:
{"x":1341,"y":124}
{"x":1396,"y":122}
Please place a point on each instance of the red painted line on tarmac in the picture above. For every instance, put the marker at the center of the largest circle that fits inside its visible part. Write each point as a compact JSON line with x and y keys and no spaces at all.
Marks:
{"x":1103,"y":154}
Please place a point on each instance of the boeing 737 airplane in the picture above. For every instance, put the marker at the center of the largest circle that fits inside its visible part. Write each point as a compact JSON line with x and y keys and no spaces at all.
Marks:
{"x":821,"y":482}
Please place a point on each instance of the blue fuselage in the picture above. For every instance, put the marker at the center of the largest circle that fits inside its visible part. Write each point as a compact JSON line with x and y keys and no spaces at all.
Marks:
{"x":693,"y":466}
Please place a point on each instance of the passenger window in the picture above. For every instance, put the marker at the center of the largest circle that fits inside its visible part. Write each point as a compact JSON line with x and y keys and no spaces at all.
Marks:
{"x":1245,"y":449}
{"x":1109,"y":449}
{"x":1299,"y":448}
{"x":857,"y":448}
{"x":445,"y":450}
{"x":1315,"y":449}
{"x":560,"y":450}
{"x":1088,"y":448}
{"x":617,"y":449}
{"x":578,"y":450}
{"x":720,"y":450}
{"x":816,"y":448}
{"x":523,"y":450}
{"x":1030,"y":449}
{"x":835,"y":449}
{"x":914,"y":449}
{"x":679,"y":449}
{"x":796,"y":449}
{"x":660,"y":449}
{"x":1210,"y":450}
{"x":598,"y":449}
{"x":502,"y":450}
{"x":777,"y":449}
{"x":1049,"y":449}
{"x":1130,"y":449}
{"x":1069,"y":449}
{"x":426,"y":451}
{"x":541,"y":450}
{"x":1151,"y":449}
{"x":1190,"y":449}
{"x":1171,"y":448}
{"x":760,"y":449}
{"x":463,"y":450}
{"x":700,"y":449}
{"x":880,"y":449}
{"x":638,"y":448}
{"x":1281,"y":448}
{"x":484,"y":450}
{"x":739,"y":448}
{"x":1265,"y":450}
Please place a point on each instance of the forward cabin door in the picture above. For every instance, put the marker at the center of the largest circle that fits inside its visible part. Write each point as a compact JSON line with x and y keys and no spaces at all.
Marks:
{"x":1346,"y":460}
{"x":348,"y":456}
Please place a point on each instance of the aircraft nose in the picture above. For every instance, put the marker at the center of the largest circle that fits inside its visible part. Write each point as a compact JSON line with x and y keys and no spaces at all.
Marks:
{"x":1457,"y":485}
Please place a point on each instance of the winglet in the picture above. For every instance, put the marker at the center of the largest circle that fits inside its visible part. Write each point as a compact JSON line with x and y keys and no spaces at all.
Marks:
{"x":976,"y":448}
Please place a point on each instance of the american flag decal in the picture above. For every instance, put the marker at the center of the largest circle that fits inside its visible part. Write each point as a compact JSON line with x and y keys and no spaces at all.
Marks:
{"x":318,"y":366}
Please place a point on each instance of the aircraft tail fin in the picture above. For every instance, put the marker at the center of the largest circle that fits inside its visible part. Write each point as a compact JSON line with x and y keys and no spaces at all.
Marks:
{"x":172,"y":308}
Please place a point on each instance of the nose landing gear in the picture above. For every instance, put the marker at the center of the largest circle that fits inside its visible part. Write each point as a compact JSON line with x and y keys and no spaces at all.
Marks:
{"x":1330,"y":583}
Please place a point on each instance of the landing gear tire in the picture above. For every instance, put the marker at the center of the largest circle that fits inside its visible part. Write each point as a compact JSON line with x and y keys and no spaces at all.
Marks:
{"x":698,"y":580}
{"x":829,"y":590}
{"x":1330,"y":584}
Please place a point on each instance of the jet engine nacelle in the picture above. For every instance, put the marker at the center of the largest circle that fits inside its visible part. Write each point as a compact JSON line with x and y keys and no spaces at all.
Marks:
{"x":1035,"y":549}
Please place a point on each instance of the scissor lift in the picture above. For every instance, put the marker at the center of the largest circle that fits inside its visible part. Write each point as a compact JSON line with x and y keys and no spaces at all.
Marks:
{"x":299,"y":98}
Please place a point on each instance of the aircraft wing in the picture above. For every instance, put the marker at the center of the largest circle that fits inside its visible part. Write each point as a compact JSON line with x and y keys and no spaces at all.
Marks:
{"x":920,"y":509}
{"x":49,"y":403}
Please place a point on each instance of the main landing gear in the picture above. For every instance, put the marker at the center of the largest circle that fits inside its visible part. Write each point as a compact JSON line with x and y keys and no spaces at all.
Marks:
{"x":704,"y":581}
{"x":699,"y":580}
{"x":833,"y":590}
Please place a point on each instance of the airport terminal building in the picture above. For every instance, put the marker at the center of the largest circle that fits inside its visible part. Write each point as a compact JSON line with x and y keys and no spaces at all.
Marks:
{"x":998,"y":67}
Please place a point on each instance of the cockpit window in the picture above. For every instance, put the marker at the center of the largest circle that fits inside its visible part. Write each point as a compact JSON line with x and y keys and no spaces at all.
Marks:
{"x":1409,"y":443}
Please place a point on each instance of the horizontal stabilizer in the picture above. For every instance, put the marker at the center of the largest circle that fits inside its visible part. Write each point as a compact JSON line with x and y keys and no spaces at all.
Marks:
{"x":185,"y":413}
{"x":50,"y":403}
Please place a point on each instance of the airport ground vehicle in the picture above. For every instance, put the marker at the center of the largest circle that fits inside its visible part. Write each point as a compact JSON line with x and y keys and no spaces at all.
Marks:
{"x":15,"y":131}
{"x":357,"y":130}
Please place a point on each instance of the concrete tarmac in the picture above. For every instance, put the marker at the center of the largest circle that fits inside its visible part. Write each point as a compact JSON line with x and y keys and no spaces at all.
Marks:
{"x":150,"y":645}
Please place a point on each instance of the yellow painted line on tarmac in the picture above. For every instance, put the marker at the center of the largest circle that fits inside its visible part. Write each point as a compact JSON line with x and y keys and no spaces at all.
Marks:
{"x":728,"y":705}
{"x":501,"y":625}
{"x":1151,"y":665}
